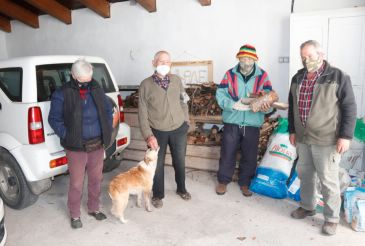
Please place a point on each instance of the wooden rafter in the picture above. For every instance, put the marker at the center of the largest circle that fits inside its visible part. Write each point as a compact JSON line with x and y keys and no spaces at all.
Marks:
{"x":149,"y":5}
{"x":101,"y":7}
{"x":14,"y":11}
{"x":205,"y":2}
{"x":5,"y":24}
{"x":53,"y":8}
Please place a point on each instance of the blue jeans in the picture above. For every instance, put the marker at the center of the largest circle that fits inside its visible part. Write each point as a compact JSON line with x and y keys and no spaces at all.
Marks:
{"x":176,"y":140}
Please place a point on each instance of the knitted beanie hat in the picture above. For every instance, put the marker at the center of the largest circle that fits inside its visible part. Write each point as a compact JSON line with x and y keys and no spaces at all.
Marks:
{"x":247,"y":51}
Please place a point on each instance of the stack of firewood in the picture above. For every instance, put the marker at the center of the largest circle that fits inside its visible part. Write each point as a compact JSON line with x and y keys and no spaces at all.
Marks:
{"x":202,"y":99}
{"x":265,"y":132}
{"x":213,"y":137}
{"x":201,"y":137}
{"x":131,"y":101}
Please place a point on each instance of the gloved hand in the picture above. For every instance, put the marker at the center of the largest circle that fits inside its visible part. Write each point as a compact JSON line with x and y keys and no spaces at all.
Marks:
{"x":240,"y":106}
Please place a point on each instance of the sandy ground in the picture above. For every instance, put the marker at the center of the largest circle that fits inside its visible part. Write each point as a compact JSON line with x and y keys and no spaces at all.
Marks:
{"x":208,"y":219}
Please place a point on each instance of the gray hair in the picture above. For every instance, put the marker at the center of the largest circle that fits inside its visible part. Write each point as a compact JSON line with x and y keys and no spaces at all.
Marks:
{"x":315,"y":44}
{"x":82,"y":68}
{"x":158,"y":53}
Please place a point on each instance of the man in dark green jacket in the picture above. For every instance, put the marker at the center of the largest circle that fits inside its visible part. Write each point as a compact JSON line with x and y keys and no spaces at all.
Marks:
{"x":322,"y":116}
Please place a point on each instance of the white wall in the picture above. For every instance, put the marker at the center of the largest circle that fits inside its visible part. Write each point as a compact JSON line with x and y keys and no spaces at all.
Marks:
{"x":129,"y":39}
{"x":314,"y":5}
{"x":3,"y":50}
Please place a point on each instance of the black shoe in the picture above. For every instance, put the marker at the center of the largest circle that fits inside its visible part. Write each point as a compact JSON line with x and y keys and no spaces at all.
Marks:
{"x":157,"y":202}
{"x":98,"y":215}
{"x":76,"y":223}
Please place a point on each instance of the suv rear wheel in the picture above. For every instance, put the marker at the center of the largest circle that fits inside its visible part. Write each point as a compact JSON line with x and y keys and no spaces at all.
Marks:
{"x":14,"y":189}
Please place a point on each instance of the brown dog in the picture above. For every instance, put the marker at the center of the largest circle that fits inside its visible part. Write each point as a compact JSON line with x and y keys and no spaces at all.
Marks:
{"x":135,"y":181}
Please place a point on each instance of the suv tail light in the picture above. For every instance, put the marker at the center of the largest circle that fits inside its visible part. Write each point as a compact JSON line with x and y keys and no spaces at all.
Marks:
{"x":121,"y":110}
{"x":35,"y":126}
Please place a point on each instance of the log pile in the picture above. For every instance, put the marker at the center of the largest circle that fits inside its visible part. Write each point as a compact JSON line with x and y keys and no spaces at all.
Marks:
{"x":201,"y":137}
{"x":265,"y":132}
{"x":131,"y":101}
{"x":202,"y":100}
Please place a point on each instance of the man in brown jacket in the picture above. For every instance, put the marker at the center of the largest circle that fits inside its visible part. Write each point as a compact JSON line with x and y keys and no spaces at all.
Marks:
{"x":163,"y":118}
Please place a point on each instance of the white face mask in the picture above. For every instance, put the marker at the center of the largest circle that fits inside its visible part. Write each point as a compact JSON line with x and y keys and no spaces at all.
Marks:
{"x":163,"y":69}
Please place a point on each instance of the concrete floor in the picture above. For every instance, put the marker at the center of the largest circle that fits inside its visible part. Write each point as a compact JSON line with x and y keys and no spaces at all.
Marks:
{"x":207,"y":219}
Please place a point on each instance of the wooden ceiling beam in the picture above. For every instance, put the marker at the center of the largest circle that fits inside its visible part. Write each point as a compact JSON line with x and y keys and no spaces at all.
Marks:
{"x":53,"y":8}
{"x":101,"y":7}
{"x":205,"y":2}
{"x":19,"y":13}
{"x":149,"y":5}
{"x":5,"y":24}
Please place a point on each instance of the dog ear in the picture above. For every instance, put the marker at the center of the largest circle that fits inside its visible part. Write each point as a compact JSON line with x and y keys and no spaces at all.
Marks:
{"x":147,"y":160}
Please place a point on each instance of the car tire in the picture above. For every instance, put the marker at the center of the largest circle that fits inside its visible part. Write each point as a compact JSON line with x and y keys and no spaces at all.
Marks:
{"x":111,"y":163}
{"x":14,"y":188}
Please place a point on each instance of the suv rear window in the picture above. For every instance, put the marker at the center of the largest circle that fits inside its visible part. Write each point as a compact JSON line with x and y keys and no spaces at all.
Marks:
{"x":11,"y":83}
{"x":51,"y":77}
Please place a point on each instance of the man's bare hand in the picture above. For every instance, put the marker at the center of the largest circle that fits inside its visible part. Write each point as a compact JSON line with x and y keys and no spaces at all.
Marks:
{"x":342,"y":145}
{"x":152,"y":142}
{"x":292,"y":139}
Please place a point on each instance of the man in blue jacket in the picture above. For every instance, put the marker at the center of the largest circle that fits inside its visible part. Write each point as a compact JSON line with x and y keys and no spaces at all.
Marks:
{"x":81,"y":116}
{"x":241,"y":126}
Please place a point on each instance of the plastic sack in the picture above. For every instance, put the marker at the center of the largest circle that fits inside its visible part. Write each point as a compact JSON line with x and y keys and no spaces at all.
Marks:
{"x":351,"y":195}
{"x":359,"y":133}
{"x":294,"y":187}
{"x":267,"y":183}
{"x":279,"y":156}
{"x":358,"y":216}
{"x":275,"y":166}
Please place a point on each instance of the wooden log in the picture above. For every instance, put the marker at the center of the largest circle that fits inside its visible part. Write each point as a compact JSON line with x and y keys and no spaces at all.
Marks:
{"x":209,"y":152}
{"x":190,"y":161}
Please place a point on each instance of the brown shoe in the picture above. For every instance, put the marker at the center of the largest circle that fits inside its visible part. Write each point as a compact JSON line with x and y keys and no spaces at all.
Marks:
{"x":245,"y":191}
{"x":221,"y":189}
{"x":329,"y":228}
{"x":301,"y":213}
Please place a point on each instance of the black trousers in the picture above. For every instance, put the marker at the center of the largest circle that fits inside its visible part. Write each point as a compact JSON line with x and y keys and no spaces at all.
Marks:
{"x":246,"y":138}
{"x":176,"y":140}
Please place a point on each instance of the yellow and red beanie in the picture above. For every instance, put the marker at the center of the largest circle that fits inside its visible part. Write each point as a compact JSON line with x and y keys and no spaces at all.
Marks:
{"x":247,"y":51}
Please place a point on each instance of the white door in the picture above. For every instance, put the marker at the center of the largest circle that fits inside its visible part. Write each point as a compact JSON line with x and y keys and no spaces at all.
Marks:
{"x":346,"y":50}
{"x":303,"y":28}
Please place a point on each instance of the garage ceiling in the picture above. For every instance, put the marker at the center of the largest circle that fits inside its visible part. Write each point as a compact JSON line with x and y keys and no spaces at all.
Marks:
{"x":27,"y":11}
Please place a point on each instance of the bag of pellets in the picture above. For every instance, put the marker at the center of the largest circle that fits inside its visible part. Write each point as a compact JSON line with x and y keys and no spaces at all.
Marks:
{"x":275,"y":167}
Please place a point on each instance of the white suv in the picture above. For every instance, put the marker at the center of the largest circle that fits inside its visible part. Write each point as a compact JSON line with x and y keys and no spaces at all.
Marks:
{"x":30,"y":151}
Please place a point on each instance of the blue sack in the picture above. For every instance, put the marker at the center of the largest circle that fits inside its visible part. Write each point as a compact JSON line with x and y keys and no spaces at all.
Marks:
{"x":269,"y":182}
{"x":294,"y":187}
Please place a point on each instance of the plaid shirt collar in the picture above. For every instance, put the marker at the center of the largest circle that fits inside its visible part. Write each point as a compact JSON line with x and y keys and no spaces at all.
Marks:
{"x":163,"y":83}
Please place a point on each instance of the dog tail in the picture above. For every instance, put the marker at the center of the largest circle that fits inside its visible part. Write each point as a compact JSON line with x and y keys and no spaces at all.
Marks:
{"x":112,"y":191}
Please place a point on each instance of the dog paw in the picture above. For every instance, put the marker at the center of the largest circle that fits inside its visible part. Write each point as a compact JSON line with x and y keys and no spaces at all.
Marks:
{"x":124,"y":221}
{"x":148,"y":209}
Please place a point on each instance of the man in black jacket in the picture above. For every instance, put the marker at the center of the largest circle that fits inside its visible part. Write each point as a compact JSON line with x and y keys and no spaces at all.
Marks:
{"x":322,"y":116}
{"x":81,"y":116}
